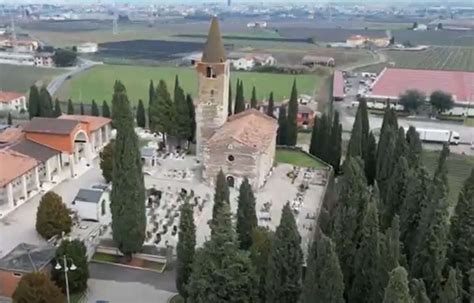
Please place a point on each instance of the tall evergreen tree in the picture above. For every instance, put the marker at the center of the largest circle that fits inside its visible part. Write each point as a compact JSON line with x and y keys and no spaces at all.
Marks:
{"x":262,"y":239}
{"x":45,"y":103}
{"x":335,"y":143}
{"x":364,"y":121}
{"x":414,"y":147}
{"x":128,"y":190}
{"x":397,"y":290}
{"x":246,"y":215}
{"x":70,"y":107}
{"x":396,"y":193}
{"x":366,"y":286}
{"x":386,"y":150}
{"x":315,"y":146}
{"x":271,"y":106}
{"x":390,"y":250}
{"x":105,"y":110}
{"x":353,"y":198}
{"x":471,"y":283}
{"x":95,"y":109}
{"x":76,"y":253}
{"x":282,"y":134}
{"x":230,"y":106}
{"x":253,"y":99}
{"x":82,"y":110}
{"x":324,"y":282}
{"x":221,"y":197}
{"x":283,"y":283}
{"x":192,"y":117}
{"x":292,"y":124}
{"x":57,"y":108}
{"x":325,"y":138}
{"x":183,"y":117}
{"x":9,"y":119}
{"x":162,"y":113}
{"x":418,"y":291}
{"x":185,"y":248}
{"x":401,"y":146}
{"x":140,"y":115}
{"x":370,"y":163}
{"x":221,"y":273}
{"x":354,"y":148}
{"x":34,"y":102}
{"x":151,"y":100}
{"x":461,"y":234}
{"x":239,"y":105}
{"x":450,"y":293}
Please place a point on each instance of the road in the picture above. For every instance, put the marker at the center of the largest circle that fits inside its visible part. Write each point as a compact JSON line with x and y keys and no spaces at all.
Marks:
{"x":83,"y":64}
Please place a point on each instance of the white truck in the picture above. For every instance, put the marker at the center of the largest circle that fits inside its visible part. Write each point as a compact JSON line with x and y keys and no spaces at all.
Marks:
{"x":438,"y":135}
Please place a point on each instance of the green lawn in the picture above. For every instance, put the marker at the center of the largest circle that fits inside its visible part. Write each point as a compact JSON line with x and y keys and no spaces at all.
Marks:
{"x":20,"y":78}
{"x":177,"y":299}
{"x":469,"y":122}
{"x":105,"y":257}
{"x":459,"y":168}
{"x":297,"y":158}
{"x":97,"y":83}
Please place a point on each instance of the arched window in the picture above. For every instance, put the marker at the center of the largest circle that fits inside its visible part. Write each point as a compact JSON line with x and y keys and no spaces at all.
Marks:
{"x":230,"y":158}
{"x":102,"y":208}
{"x":210,"y":72}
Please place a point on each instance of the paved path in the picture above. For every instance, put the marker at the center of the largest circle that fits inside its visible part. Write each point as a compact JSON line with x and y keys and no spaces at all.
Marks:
{"x":58,"y":81}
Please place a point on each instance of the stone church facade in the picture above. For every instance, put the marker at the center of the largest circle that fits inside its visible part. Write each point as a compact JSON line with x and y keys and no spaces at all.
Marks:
{"x":242,"y":145}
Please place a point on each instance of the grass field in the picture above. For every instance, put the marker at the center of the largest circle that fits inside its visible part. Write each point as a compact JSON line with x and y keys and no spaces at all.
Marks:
{"x":459,"y":168}
{"x":97,"y":83}
{"x":20,"y":78}
{"x":297,"y":158}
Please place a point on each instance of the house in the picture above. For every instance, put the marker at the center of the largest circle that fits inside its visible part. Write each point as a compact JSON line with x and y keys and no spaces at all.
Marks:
{"x":245,"y":63}
{"x":242,"y":147}
{"x":421,"y":27}
{"x":23,"y":259}
{"x":312,"y":61}
{"x":44,"y":59}
{"x":87,"y":48}
{"x":12,"y":101}
{"x":93,"y":204}
{"x":305,"y":116}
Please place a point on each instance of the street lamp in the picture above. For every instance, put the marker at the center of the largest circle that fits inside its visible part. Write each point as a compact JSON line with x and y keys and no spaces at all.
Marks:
{"x":66,"y":269}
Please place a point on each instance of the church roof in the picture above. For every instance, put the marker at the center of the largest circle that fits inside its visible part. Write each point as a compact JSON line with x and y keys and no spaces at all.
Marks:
{"x":214,"y":51}
{"x":251,"y":128}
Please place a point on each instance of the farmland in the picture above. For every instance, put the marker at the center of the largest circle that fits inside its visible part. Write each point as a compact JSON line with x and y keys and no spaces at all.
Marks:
{"x":20,"y":78}
{"x":97,"y":83}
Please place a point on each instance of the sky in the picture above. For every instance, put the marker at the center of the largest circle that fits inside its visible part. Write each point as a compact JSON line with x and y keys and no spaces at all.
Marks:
{"x":235,"y":1}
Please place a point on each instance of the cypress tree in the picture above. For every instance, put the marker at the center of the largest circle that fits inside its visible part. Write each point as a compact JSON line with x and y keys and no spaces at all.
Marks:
{"x":282,"y":133}
{"x":370,"y":163}
{"x":450,"y":293}
{"x":414,"y":147}
{"x":271,"y":106}
{"x":221,"y":273}
{"x":229,"y":104}
{"x":262,"y":239}
{"x":365,"y":127}
{"x":283,"y":283}
{"x":353,"y":198}
{"x":128,"y":190}
{"x":45,"y":103}
{"x":95,"y":109}
{"x":162,"y":112}
{"x":221,"y":196}
{"x":315,"y":144}
{"x":366,"y":286}
{"x":140,"y":115}
{"x":401,"y":146}
{"x":253,"y":99}
{"x":70,"y":107}
{"x":292,"y":124}
{"x":461,"y":234}
{"x":239,"y":98}
{"x":57,"y":109}
{"x":325,"y":138}
{"x":397,"y":290}
{"x":192,"y":117}
{"x":9,"y":119}
{"x":396,"y":192}
{"x":105,"y":109}
{"x":441,"y":169}
{"x":390,"y":250}
{"x":151,"y":100}
{"x":324,"y":282}
{"x":335,"y":143}
{"x":185,"y":248}
{"x":181,"y":108}
{"x":34,"y":102}
{"x":471,"y":283}
{"x":82,"y":111}
{"x":354,"y":148}
{"x":246,"y":215}
{"x":385,"y":160}
{"x":418,"y":291}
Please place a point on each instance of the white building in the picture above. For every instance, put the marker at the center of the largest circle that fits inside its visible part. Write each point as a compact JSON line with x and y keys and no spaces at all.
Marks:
{"x":93,"y":204}
{"x":149,"y":156}
{"x":421,"y":27}
{"x":87,"y":48}
{"x":12,"y":101}
{"x":242,"y":61}
{"x":245,"y":63}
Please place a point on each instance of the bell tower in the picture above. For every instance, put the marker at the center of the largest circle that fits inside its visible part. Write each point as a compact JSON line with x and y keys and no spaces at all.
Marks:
{"x":213,"y":88}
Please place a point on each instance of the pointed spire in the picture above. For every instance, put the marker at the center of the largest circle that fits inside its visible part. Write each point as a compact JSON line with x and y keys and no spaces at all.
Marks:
{"x":214,"y":51}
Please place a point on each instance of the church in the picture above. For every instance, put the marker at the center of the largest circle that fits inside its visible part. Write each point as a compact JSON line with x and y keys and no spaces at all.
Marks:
{"x":241,"y":145}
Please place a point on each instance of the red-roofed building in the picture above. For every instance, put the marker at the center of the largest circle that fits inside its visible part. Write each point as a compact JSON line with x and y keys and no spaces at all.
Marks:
{"x":392,"y":82}
{"x":12,"y":101}
{"x":338,"y":86}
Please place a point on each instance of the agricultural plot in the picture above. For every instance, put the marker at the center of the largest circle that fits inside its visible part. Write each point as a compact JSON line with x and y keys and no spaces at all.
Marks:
{"x":97,"y":83}
{"x":327,"y":34}
{"x":20,"y":78}
{"x":431,"y":37}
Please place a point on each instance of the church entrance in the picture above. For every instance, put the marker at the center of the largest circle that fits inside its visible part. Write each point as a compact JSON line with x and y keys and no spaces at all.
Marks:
{"x":230,"y":181}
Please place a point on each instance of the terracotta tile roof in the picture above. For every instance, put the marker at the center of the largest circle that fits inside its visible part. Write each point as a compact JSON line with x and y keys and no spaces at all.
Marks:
{"x":51,"y":126}
{"x":10,"y":135}
{"x":251,"y":128}
{"x":214,"y":51}
{"x":9,"y":96}
{"x":94,"y":122}
{"x":13,"y":165}
{"x":394,"y":81}
{"x":34,"y":150}
{"x":338,"y":85}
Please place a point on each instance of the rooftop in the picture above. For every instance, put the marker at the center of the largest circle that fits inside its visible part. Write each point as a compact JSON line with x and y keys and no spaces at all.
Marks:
{"x":39,"y":152}
{"x":10,"y":135}
{"x":94,"y":122}
{"x":9,"y":96}
{"x":51,"y":126}
{"x":13,"y":165}
{"x":392,"y":82}
{"x":338,"y":85}
{"x":214,"y":51}
{"x":251,"y":127}
{"x":27,"y":258}
{"x":89,"y":195}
